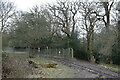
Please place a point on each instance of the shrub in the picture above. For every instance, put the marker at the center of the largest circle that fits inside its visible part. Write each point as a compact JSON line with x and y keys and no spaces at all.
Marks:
{"x":115,"y":56}
{"x":79,"y":50}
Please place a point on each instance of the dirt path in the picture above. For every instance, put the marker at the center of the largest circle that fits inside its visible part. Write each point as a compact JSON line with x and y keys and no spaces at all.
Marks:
{"x":84,"y":69}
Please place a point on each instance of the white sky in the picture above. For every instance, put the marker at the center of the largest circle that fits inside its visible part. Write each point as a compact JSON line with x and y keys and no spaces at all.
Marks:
{"x":25,"y":5}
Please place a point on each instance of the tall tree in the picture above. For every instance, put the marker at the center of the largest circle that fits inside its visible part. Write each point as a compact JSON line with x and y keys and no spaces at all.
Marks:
{"x":31,"y":27}
{"x":89,"y":20}
{"x":118,"y":38}
{"x":107,"y":9}
{"x":64,"y":17}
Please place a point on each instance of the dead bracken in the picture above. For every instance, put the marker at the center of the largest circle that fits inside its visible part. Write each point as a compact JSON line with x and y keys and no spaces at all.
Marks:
{"x":45,"y":65}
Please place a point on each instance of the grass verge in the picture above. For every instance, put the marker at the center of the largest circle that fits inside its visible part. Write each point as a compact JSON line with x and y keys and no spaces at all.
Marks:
{"x":109,"y":67}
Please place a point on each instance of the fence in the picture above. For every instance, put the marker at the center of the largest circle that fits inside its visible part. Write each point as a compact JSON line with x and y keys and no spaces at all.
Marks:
{"x":59,"y":53}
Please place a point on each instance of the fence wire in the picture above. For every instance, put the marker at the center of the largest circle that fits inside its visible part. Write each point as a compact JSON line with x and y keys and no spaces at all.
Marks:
{"x":59,"y":53}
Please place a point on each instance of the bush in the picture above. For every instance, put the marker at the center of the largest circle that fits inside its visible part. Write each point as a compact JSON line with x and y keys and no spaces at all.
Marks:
{"x":115,"y":56}
{"x":105,"y":59}
{"x":97,"y":56}
{"x":79,"y":50}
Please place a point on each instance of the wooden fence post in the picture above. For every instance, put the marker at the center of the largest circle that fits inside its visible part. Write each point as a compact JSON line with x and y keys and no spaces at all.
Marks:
{"x":72,"y":52}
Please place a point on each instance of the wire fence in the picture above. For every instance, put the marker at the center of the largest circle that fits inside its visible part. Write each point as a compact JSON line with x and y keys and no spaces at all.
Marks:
{"x":59,"y":53}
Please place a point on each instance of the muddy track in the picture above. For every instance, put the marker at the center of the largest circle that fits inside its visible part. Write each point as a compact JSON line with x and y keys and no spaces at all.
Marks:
{"x":92,"y":68}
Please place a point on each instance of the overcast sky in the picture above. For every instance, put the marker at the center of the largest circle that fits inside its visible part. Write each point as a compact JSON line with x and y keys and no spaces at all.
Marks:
{"x":25,"y":5}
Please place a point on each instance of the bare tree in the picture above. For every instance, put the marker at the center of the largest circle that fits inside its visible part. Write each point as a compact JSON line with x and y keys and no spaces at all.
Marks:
{"x":106,"y":7}
{"x":7,"y":10}
{"x":64,"y":17}
{"x":89,"y":20}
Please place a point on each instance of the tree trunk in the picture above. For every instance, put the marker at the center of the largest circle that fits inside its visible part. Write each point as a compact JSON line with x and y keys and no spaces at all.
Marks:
{"x":118,"y":37}
{"x":0,"y":55}
{"x":92,"y":47}
{"x":88,"y":47}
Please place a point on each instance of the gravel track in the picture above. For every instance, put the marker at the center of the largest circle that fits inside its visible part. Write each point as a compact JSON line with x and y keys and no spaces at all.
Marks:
{"x":86,"y":69}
